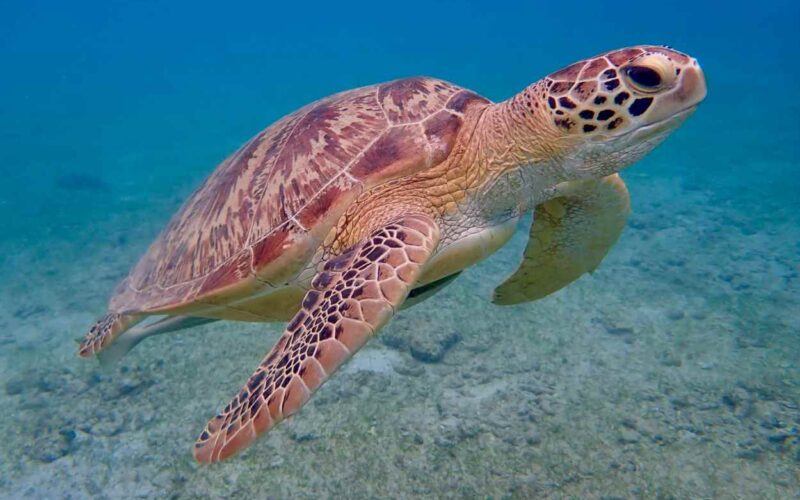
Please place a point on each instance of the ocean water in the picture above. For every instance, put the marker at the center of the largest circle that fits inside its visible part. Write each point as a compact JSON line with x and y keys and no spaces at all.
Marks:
{"x":671,"y":372}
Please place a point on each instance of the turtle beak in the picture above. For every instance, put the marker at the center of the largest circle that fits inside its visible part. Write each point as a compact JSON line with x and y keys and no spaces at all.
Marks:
{"x":684,"y":96}
{"x":692,"y":86}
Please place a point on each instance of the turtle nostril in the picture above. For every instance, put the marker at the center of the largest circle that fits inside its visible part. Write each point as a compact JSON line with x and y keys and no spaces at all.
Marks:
{"x":643,"y":76}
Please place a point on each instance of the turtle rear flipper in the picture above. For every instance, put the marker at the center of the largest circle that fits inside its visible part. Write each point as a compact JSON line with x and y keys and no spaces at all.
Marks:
{"x":128,"y":339}
{"x":105,"y":331}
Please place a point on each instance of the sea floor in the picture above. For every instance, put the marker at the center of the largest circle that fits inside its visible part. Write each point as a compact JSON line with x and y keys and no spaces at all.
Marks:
{"x":671,"y":372}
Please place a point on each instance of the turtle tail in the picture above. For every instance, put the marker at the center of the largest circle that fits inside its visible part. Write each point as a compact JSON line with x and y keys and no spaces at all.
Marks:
{"x":105,"y":331}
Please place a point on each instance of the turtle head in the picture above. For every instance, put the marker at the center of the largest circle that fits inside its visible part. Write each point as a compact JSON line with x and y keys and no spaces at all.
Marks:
{"x":609,"y":111}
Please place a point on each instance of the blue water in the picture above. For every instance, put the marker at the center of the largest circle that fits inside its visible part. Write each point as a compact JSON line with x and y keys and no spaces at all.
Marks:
{"x":111,"y":113}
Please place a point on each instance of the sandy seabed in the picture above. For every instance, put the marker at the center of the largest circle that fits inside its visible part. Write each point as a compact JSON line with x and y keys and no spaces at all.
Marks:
{"x":671,"y":372}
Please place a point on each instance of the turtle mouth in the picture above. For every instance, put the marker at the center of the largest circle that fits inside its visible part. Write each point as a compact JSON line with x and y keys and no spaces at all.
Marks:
{"x":667,"y":123}
{"x":657,"y":127}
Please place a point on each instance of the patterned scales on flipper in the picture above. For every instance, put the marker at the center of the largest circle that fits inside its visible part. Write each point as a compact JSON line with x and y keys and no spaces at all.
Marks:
{"x":105,"y":331}
{"x":264,"y":211}
{"x":570,"y":236}
{"x":354,"y":296}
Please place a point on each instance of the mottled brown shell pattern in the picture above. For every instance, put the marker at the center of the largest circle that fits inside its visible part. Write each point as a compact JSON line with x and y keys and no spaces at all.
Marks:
{"x":283,"y":190}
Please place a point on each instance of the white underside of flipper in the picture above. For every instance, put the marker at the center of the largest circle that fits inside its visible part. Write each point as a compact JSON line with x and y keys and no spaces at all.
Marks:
{"x":129,"y":339}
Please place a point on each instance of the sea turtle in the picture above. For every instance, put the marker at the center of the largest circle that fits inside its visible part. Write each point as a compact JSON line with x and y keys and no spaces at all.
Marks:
{"x":372,"y":199}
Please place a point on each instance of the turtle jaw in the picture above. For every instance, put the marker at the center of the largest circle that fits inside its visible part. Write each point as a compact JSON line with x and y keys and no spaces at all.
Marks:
{"x":662,"y":126}
{"x":603,"y":155}
{"x":647,"y":130}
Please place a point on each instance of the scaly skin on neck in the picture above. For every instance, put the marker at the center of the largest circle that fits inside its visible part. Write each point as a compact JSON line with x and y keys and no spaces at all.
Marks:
{"x":518,"y":152}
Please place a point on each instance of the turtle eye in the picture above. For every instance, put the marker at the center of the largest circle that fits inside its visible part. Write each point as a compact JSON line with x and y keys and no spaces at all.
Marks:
{"x":644,"y":78}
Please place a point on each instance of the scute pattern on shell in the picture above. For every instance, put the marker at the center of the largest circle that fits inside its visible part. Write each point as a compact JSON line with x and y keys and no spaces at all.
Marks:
{"x":283,"y":182}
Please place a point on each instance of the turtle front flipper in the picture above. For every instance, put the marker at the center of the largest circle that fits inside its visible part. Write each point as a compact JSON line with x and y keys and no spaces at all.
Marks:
{"x":570,"y":236}
{"x":353,"y":296}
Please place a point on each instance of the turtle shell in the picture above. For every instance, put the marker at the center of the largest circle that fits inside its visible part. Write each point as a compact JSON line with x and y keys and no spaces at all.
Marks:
{"x":260,"y":217}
